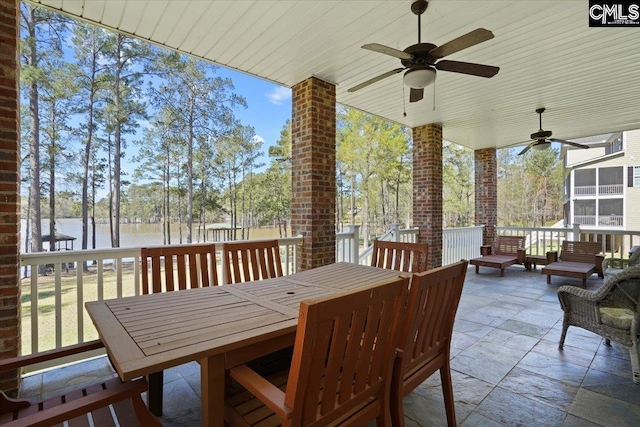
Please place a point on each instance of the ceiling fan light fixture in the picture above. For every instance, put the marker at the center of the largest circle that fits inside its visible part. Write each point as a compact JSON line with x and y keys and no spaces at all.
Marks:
{"x":542,"y":146}
{"x":419,"y":78}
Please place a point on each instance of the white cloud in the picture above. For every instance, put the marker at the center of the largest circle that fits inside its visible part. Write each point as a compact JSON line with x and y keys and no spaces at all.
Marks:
{"x":258,"y":138}
{"x":279,"y":95}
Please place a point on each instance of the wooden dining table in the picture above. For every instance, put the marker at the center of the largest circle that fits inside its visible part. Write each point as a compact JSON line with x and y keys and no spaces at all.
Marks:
{"x":220,"y":326}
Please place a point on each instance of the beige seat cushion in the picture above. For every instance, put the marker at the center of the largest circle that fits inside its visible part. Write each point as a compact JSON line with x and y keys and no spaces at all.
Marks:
{"x":619,"y":318}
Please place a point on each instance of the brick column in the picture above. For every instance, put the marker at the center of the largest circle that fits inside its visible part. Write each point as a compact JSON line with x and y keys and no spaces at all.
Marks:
{"x":427,"y":189}
{"x":9,"y":190}
{"x":313,"y":152}
{"x":486,"y":171}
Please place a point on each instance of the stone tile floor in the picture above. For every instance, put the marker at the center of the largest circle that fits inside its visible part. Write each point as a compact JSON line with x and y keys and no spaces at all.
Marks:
{"x":506,"y":367}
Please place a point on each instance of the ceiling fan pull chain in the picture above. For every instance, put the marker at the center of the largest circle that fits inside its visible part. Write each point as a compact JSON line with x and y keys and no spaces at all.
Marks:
{"x":404,"y":102}
{"x":434,"y":95}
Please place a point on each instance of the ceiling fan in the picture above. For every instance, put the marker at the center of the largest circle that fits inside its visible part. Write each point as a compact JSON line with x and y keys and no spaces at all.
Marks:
{"x":542,"y":139}
{"x":421,"y":60}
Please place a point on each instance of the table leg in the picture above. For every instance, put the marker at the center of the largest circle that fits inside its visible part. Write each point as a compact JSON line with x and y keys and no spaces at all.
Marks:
{"x":212,"y":389}
{"x":154,"y":394}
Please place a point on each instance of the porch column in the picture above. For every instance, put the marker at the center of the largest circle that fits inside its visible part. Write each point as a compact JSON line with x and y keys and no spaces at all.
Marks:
{"x":313,"y":153}
{"x":486,"y":173}
{"x":9,"y":190}
{"x":427,"y":189}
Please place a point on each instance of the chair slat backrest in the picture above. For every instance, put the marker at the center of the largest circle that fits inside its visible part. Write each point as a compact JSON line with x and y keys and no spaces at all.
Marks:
{"x":509,"y":245}
{"x":172,"y":268}
{"x":343,"y":353}
{"x":580,"y":251}
{"x":255,"y":260}
{"x":401,"y":256}
{"x":429,"y":315}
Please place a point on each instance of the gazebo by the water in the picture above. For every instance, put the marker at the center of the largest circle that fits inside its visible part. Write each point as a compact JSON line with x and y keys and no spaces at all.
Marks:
{"x":220,"y":232}
{"x":59,"y":240}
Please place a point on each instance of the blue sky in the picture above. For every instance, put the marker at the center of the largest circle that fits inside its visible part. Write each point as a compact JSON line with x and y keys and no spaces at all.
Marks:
{"x":268,"y":105}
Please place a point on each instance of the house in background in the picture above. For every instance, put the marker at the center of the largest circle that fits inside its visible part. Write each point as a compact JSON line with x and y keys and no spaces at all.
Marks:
{"x":602,"y":184}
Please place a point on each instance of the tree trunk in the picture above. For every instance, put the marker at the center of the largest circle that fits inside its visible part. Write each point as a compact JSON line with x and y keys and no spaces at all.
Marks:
{"x":167,"y":217}
{"x":34,"y":144}
{"x":109,"y":157}
{"x":190,"y":173}
{"x":242,"y":205}
{"x":117,"y":150}
{"x":85,"y":165}
{"x":52,"y":184}
{"x":365,"y":217}
{"x":382,"y":204}
{"x":93,"y":211}
{"x":26,"y":241}
{"x":353,"y":200}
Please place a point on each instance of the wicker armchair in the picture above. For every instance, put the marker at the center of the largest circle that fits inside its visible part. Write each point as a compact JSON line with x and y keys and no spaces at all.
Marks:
{"x":613,"y":311}
{"x":612,"y":266}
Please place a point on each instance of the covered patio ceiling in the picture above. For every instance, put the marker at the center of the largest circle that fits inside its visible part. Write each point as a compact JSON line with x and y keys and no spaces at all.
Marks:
{"x":587,"y":78}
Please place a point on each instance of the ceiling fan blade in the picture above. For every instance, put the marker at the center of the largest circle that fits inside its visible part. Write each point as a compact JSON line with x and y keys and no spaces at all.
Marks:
{"x":470,"y":39}
{"x":518,"y":143}
{"x":380,"y":48}
{"x":527,"y":148}
{"x":375,"y":79}
{"x":575,"y":144}
{"x":416,"y":94}
{"x":468,"y":68}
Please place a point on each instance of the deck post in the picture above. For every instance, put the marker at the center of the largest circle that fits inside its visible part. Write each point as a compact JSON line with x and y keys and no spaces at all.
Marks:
{"x":427,"y":189}
{"x":486,"y":203}
{"x":9,"y":191}
{"x":313,"y":177}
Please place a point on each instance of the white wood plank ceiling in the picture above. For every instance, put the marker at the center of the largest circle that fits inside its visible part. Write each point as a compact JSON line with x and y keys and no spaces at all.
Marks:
{"x":587,"y":78}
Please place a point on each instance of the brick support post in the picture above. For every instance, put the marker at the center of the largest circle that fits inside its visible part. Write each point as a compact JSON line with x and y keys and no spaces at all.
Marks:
{"x":9,"y":190}
{"x":427,"y":189}
{"x":486,"y":172}
{"x":313,"y":152}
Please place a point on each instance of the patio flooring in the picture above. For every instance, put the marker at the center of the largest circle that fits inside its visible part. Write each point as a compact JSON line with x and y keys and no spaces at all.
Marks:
{"x":506,"y":366}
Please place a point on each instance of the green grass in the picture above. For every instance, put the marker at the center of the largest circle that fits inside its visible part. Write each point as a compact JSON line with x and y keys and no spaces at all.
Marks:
{"x":542,"y":249}
{"x":69,"y":312}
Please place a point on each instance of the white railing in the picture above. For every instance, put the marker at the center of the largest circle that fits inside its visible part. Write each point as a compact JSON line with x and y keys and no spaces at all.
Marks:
{"x":611,"y":220}
{"x":605,"y":190}
{"x":461,"y":243}
{"x":53,"y":312}
{"x":457,"y":243}
{"x":395,"y":233}
{"x":540,"y":240}
{"x":584,"y":219}
{"x":584,"y":190}
{"x":348,"y":244}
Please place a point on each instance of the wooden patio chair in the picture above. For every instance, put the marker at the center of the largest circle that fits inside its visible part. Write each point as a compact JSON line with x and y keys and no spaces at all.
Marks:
{"x":401,"y":256}
{"x":425,"y":336}
{"x":196,"y":267}
{"x":508,"y":250}
{"x":251,"y":260}
{"x":341,"y":367}
{"x":99,"y":402}
{"x":577,"y":259}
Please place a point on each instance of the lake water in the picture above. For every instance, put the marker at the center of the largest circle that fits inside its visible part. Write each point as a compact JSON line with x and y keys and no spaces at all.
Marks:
{"x":131,"y":235}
